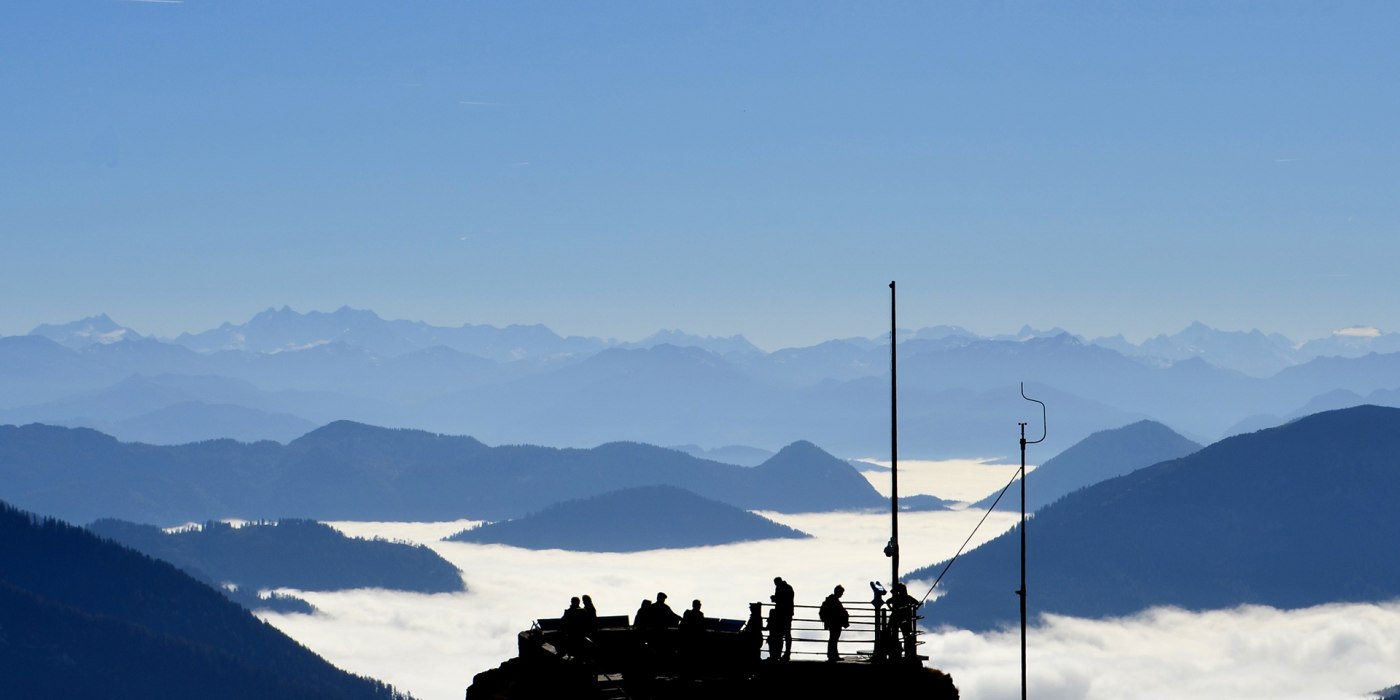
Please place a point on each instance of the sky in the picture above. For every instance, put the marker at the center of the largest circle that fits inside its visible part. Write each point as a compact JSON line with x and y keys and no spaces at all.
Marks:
{"x":719,"y":167}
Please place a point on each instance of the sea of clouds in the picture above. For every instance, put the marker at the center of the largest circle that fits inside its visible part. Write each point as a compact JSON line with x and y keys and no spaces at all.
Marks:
{"x":432,"y":645}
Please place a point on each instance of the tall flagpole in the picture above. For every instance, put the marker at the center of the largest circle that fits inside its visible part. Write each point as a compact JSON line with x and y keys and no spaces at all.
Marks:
{"x":893,"y":549}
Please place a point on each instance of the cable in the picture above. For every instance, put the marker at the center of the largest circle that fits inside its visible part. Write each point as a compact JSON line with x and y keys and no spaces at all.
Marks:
{"x":990,"y":508}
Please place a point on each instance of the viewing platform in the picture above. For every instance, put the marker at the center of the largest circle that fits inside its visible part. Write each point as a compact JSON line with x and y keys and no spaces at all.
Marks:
{"x":726,"y":659}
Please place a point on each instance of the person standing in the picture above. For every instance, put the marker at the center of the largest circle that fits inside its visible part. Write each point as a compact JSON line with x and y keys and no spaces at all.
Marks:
{"x":780,"y":620}
{"x":661,"y":614}
{"x":904,"y":610}
{"x":589,"y":616}
{"x":834,"y":618}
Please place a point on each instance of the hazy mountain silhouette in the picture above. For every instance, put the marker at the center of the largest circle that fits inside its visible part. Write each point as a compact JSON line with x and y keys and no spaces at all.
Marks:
{"x":527,"y":384}
{"x":193,"y":421}
{"x":631,"y":520}
{"x":301,"y":554}
{"x":1351,"y":342}
{"x":1330,"y":401}
{"x":731,"y":345}
{"x":283,"y":329}
{"x":659,"y":395}
{"x":34,"y":369}
{"x":1286,"y":517}
{"x":358,"y":472}
{"x":1253,"y":353}
{"x":84,"y":617}
{"x":159,"y":409}
{"x":1099,"y":457}
{"x":93,"y":330}
{"x":150,"y":356}
{"x":741,"y":455}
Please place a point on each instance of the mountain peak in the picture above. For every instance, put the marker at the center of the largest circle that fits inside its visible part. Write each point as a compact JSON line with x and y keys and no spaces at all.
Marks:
{"x":93,"y":330}
{"x":802,"y":459}
{"x":342,"y":429}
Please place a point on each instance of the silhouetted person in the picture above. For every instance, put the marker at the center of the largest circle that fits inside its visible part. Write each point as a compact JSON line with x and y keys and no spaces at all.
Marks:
{"x":642,"y":620}
{"x":692,"y":632}
{"x":661,"y":614}
{"x":753,"y":633}
{"x":780,"y":620}
{"x":834,"y":618}
{"x":572,"y":619}
{"x":693,"y":620}
{"x":589,"y":616}
{"x":571,"y":626}
{"x":903,"y":610}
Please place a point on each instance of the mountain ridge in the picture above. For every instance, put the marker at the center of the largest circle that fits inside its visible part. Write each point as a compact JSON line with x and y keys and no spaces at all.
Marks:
{"x":1218,"y":528}
{"x":140,"y":629}
{"x":635,"y":519}
{"x":351,"y":471}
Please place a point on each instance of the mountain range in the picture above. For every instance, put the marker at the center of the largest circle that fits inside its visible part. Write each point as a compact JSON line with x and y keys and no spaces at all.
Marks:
{"x":350,"y":471}
{"x":282,"y":372}
{"x":1286,"y":517}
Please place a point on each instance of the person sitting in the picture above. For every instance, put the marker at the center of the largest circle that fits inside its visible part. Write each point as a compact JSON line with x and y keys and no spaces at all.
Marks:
{"x":752,"y":634}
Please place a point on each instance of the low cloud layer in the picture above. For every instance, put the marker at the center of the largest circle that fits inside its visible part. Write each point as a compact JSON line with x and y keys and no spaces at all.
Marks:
{"x":432,"y":645}
{"x":1322,"y":653}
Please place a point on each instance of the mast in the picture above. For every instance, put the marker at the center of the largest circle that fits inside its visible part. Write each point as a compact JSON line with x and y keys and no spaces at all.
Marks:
{"x":893,"y":548}
{"x":1021,"y":592}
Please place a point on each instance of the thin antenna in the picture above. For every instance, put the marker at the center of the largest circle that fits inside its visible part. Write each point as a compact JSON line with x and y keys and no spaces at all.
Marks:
{"x":1021,"y":592}
{"x":892,"y":549}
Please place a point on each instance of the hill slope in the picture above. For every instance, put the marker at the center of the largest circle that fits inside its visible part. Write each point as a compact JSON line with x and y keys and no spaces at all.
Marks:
{"x":631,"y":520}
{"x":84,"y":617}
{"x":299,"y":554}
{"x":1099,"y":457}
{"x":1287,"y":517}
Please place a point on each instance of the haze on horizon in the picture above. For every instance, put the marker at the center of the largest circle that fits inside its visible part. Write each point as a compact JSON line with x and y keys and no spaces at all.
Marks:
{"x":721,"y":168}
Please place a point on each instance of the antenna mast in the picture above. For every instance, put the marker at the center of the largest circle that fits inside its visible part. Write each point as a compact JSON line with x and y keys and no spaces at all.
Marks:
{"x":1021,"y":592}
{"x":892,"y":549}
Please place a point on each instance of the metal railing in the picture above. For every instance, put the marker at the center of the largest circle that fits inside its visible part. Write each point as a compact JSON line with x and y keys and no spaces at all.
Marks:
{"x":861,"y":638}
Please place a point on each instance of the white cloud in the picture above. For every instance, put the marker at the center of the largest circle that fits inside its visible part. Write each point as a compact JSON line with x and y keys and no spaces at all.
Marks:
{"x":1331,"y":651}
{"x":432,"y":645}
{"x":1358,"y":332}
{"x":955,"y":479}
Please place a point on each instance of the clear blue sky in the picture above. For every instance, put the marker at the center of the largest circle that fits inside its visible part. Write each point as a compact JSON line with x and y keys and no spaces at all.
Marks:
{"x":762,"y":168}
